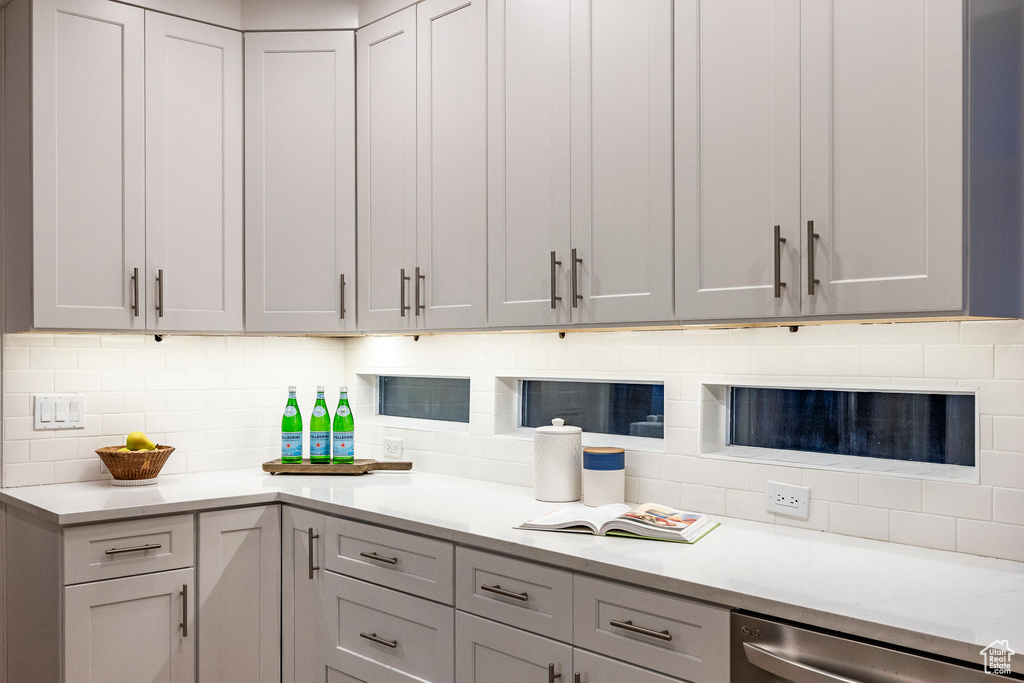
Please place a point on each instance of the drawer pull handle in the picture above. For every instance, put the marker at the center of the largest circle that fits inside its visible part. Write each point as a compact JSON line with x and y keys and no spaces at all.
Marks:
{"x":379,"y":558}
{"x":498,"y":590}
{"x":312,"y":567}
{"x":628,"y":626}
{"x":374,"y":638}
{"x":552,"y":676}
{"x":184,"y":610}
{"x":132,"y":549}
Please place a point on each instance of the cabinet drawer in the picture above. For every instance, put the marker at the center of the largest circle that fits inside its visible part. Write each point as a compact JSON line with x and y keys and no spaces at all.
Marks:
{"x":378,"y":634}
{"x":139,"y":546}
{"x":394,"y":559}
{"x":597,"y":669}
{"x":522,"y":594}
{"x":668,"y":634}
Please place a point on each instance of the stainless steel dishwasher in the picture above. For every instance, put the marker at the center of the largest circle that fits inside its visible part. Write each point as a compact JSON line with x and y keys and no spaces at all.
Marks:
{"x":766,"y":651}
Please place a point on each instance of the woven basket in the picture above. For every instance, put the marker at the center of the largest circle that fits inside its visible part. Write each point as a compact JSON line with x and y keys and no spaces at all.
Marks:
{"x":128,"y":465}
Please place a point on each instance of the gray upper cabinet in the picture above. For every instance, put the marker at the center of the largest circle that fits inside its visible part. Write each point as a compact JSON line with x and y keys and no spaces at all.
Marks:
{"x":882,"y":143}
{"x":75,"y":85}
{"x":300,"y":182}
{"x":193,"y":175}
{"x":386,"y":87}
{"x":450,"y":277}
{"x":621,"y":158}
{"x":737,"y":158}
{"x":528,"y":162}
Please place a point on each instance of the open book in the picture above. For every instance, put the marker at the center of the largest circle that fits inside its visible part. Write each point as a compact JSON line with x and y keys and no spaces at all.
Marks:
{"x":644,"y":521}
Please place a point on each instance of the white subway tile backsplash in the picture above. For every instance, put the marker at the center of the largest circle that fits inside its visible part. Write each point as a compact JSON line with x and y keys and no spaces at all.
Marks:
{"x":727,"y":474}
{"x":892,"y":361}
{"x":1008,"y":434}
{"x":857,"y":520}
{"x":930,"y":531}
{"x":990,"y":538}
{"x":894,"y":493}
{"x":957,"y":500}
{"x":1008,"y":506}
{"x":747,"y":505}
{"x":959,"y":362}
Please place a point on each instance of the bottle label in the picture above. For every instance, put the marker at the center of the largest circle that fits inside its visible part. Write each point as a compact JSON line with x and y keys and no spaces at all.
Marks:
{"x":291,"y":444}
{"x":344,"y":411}
{"x":344,"y":444}
{"x":290,"y":411}
{"x":319,"y":411}
{"x":319,"y":443}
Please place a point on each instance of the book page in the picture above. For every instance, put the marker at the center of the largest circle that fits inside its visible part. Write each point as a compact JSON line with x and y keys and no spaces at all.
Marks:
{"x":660,"y":517}
{"x":580,"y":515}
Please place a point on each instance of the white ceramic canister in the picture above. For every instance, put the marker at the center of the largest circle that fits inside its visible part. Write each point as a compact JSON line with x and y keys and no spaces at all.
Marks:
{"x":557,"y":461}
{"x":604,"y":476}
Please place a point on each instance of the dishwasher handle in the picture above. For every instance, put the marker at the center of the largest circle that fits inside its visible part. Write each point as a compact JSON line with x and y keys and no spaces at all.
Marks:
{"x":789,"y":670}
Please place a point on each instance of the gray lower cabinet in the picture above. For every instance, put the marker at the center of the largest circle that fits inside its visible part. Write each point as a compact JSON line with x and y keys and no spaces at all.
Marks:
{"x":303,"y":617}
{"x":489,"y":652}
{"x":240,"y":595}
{"x":591,"y":668}
{"x":138,"y":628}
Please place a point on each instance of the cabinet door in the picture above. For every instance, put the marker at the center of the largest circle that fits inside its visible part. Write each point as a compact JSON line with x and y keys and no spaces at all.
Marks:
{"x":528,"y":162}
{"x":591,"y":668}
{"x":386,"y":96}
{"x":300,"y":182}
{"x":303,"y":618}
{"x":193,"y":175}
{"x":240,"y":595}
{"x":737,"y":158}
{"x":130,"y":630}
{"x":622,"y":160}
{"x":882,"y":140}
{"x":488,"y":652}
{"x":89,"y":163}
{"x":451,"y":86}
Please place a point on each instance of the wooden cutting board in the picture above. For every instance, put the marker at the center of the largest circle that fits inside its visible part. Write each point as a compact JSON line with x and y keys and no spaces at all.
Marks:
{"x":357,"y":467}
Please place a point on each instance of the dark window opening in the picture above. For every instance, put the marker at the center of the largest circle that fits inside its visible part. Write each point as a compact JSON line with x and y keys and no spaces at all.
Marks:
{"x":933,"y":428}
{"x":599,"y":407}
{"x":426,"y":398}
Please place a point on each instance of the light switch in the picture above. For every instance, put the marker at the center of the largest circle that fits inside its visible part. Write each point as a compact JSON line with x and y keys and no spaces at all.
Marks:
{"x":59,"y":411}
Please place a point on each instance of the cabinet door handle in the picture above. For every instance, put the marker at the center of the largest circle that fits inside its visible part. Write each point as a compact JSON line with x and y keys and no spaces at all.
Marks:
{"x":811,"y":237}
{"x":552,"y":676}
{"x":343,"y":296}
{"x":628,"y":626}
{"x":554,"y":289}
{"x":379,"y":558}
{"x":779,"y":241}
{"x":184,"y":610}
{"x":402,"y":307}
{"x":577,"y":678}
{"x":423,"y":278}
{"x":132,"y":549}
{"x":135,"y":292}
{"x":498,"y":590}
{"x":160,"y":293}
{"x":311,"y":567}
{"x":373,"y":637}
{"x":576,"y":296}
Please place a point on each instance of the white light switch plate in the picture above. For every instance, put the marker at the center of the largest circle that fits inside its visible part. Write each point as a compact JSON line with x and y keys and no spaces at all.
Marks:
{"x":59,"y":411}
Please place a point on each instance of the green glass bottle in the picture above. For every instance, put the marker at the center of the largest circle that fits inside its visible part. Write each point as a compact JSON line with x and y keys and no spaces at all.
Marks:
{"x":291,"y":430}
{"x":344,"y":431}
{"x":320,"y":431}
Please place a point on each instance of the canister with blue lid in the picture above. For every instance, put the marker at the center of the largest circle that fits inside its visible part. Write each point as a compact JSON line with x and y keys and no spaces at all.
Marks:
{"x":604,"y":475}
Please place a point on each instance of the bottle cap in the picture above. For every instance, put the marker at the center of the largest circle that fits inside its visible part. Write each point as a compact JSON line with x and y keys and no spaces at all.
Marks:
{"x":319,"y":390}
{"x":291,"y":389}
{"x":344,"y":390}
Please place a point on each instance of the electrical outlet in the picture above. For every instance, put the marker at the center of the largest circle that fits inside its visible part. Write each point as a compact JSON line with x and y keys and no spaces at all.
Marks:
{"x":788,"y":499}
{"x":393,"y":448}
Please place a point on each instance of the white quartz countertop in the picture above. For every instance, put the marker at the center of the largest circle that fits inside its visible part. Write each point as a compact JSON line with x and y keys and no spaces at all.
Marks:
{"x":941,"y":602}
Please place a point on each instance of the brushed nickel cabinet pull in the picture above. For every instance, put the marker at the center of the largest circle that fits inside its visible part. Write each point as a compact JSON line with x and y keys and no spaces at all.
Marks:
{"x":554,"y":289}
{"x":420,"y":306}
{"x":160,"y":293}
{"x":379,"y":558}
{"x":628,"y":626}
{"x":343,"y":296}
{"x":779,"y":241}
{"x":132,"y":549}
{"x":373,"y":637}
{"x":402,"y":307}
{"x":135,"y":292}
{"x":578,"y":678}
{"x":498,"y":590}
{"x":576,"y":296}
{"x":811,"y":237}
{"x":311,"y":567}
{"x":552,"y":676}
{"x":184,"y":610}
